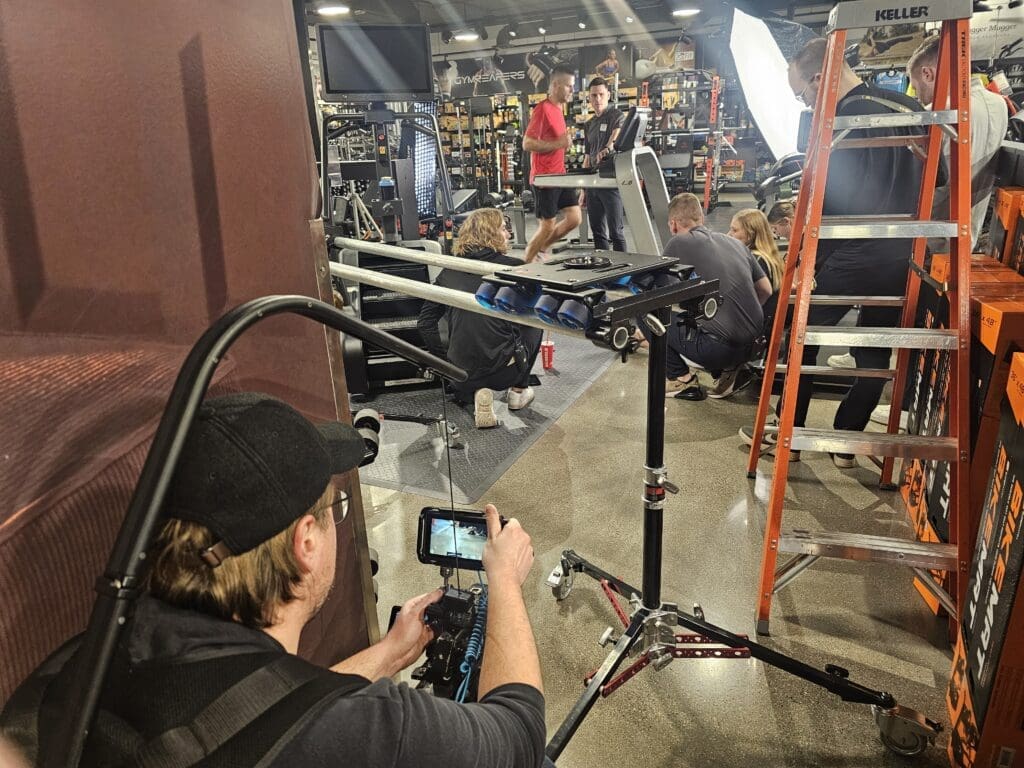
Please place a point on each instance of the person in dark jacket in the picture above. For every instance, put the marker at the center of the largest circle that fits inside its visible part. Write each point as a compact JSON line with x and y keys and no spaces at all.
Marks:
{"x":207,"y":671}
{"x":497,"y":354}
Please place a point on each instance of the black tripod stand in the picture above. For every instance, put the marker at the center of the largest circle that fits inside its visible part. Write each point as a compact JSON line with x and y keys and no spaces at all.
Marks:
{"x":650,"y":631}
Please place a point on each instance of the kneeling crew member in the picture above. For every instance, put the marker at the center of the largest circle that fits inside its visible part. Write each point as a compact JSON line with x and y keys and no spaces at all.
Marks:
{"x":245,"y":560}
{"x":726,"y":340}
{"x":496,"y":354}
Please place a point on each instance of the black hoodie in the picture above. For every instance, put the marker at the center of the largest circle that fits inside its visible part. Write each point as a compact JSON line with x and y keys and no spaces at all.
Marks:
{"x":481,"y":345}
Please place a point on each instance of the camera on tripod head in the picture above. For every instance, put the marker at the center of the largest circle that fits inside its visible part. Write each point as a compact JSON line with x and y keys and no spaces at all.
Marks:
{"x":453,"y":540}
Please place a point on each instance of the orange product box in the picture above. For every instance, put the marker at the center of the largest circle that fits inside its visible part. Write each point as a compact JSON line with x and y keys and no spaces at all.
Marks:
{"x":1015,"y":259}
{"x":985,"y":697}
{"x":1002,"y":231}
{"x":997,"y":328}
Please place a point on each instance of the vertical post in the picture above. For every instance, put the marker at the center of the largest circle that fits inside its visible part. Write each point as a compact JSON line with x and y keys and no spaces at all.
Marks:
{"x":654,"y":494}
{"x":958,"y":52}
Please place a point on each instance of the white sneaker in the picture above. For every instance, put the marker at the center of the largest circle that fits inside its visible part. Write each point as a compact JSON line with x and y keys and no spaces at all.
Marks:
{"x":517,"y":400}
{"x":881,"y":416}
{"x":842,"y":361}
{"x":483,"y":409}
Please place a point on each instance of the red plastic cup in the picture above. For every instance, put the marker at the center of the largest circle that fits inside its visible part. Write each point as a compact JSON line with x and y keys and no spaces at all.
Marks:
{"x":547,"y":354}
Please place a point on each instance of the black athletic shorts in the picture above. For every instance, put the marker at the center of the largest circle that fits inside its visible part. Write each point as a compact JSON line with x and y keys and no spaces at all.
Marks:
{"x":548,"y":201}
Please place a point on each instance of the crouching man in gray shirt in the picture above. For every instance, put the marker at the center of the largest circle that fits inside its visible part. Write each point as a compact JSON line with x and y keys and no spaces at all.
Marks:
{"x":207,"y":672}
{"x":722,"y":344}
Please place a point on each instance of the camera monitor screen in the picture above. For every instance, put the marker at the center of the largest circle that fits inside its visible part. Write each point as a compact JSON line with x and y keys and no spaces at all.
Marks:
{"x":458,"y":538}
{"x":375,"y":62}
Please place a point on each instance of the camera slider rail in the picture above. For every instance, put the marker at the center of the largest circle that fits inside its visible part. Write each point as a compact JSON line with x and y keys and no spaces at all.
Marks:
{"x":650,"y":632}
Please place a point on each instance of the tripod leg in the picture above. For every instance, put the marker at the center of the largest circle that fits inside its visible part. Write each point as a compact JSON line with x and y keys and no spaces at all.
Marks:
{"x":583,"y":705}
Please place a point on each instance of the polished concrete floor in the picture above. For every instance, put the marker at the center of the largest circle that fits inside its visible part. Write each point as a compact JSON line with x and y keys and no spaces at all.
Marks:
{"x":579,"y":487}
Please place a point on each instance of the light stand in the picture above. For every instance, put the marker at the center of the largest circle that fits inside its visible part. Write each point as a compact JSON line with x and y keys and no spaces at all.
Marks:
{"x":653,"y":623}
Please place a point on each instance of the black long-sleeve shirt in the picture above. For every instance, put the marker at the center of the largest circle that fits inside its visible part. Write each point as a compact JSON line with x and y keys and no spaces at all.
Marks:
{"x":877,"y":181}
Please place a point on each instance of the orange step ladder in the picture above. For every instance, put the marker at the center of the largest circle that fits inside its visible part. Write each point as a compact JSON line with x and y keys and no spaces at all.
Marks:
{"x":950,"y":119}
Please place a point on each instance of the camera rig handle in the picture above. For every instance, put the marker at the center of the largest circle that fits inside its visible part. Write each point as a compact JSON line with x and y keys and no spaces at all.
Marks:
{"x":119,"y":585}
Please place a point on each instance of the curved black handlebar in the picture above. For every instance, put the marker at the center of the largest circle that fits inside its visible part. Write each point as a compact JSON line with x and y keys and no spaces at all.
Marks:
{"x":122,"y":578}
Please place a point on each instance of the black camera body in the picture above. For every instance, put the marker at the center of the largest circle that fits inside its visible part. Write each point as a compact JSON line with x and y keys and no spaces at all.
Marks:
{"x":452,"y":619}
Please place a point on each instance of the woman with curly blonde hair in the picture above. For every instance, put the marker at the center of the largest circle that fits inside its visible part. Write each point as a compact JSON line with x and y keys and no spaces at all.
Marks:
{"x":497,"y":354}
{"x":484,"y":229}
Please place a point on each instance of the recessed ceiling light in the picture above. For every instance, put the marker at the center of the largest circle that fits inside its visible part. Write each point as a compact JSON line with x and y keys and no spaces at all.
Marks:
{"x":630,"y":19}
{"x":333,"y":10}
{"x":467,"y":36}
{"x":685,"y":12}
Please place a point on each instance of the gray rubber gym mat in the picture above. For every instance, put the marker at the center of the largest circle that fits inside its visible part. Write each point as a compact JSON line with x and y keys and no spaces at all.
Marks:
{"x":412,"y":457}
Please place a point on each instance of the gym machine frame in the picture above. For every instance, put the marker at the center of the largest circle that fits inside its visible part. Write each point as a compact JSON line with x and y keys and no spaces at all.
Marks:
{"x":650,"y":629}
{"x":377,"y":121}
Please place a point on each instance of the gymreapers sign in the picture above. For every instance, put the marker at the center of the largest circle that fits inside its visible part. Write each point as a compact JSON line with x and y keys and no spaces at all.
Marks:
{"x":499,"y":74}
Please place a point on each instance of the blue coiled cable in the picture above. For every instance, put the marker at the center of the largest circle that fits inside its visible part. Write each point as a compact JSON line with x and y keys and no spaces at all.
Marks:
{"x":474,"y":647}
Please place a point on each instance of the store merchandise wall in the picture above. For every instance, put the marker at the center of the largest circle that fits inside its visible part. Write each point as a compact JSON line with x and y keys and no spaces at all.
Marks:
{"x":156,"y":169}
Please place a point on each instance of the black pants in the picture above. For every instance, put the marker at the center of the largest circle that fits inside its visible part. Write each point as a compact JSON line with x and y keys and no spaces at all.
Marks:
{"x":854,"y":277}
{"x":709,"y":352}
{"x":515,"y":375}
{"x":604,"y":211}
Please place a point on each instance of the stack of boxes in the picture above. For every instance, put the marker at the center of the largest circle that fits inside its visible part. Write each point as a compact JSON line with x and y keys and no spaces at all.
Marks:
{"x":985,"y":698}
{"x":997,"y":306}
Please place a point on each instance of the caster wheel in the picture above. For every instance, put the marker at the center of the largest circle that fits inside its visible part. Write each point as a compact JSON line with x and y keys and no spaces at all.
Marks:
{"x":906,"y":745}
{"x":546,"y":309}
{"x":371,"y":444}
{"x":564,"y":587}
{"x":574,"y":314}
{"x":485,"y":295}
{"x":366,"y":418}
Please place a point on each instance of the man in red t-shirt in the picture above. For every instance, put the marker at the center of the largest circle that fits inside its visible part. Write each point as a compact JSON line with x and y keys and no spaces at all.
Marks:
{"x":547,"y":139}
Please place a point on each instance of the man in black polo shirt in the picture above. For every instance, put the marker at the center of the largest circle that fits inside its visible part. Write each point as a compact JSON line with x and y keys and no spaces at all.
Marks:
{"x":723,"y":342}
{"x":876,"y":181}
{"x":604,"y":206}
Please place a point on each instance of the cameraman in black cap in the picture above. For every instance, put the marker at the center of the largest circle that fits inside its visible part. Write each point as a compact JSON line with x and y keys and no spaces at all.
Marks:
{"x":206,"y":673}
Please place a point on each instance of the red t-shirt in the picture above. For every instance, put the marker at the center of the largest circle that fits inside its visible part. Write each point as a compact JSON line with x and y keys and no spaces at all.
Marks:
{"x":546,"y":123}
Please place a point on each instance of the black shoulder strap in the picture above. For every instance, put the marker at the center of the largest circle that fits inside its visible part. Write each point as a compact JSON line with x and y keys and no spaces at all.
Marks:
{"x":227,"y":715}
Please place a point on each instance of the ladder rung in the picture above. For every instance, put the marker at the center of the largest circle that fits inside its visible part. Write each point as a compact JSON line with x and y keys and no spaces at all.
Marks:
{"x":896,"y":120}
{"x":879,"y":141}
{"x":879,"y":549}
{"x":873,"y":444}
{"x":828,"y":370}
{"x":872,"y":227}
{"x":853,"y":301}
{"x":890,"y":338}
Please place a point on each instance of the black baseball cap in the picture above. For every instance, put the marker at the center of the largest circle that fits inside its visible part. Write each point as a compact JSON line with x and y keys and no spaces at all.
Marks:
{"x":251,"y":466}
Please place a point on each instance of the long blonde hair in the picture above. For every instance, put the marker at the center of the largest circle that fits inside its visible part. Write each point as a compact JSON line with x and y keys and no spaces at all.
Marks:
{"x":761,"y":242}
{"x":247,"y":588}
{"x":481,"y":229}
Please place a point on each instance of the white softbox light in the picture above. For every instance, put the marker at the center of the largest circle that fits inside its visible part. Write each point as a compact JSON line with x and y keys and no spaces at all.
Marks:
{"x":761,"y":68}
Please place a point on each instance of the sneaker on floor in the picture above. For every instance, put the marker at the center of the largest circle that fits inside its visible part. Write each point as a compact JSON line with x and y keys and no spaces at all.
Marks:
{"x":881,"y":416}
{"x":517,"y":400}
{"x":842,"y":361}
{"x":483,"y":409}
{"x":844,"y":460}
{"x":768,"y":439}
{"x":729,"y":383}
{"x":689,"y":390}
